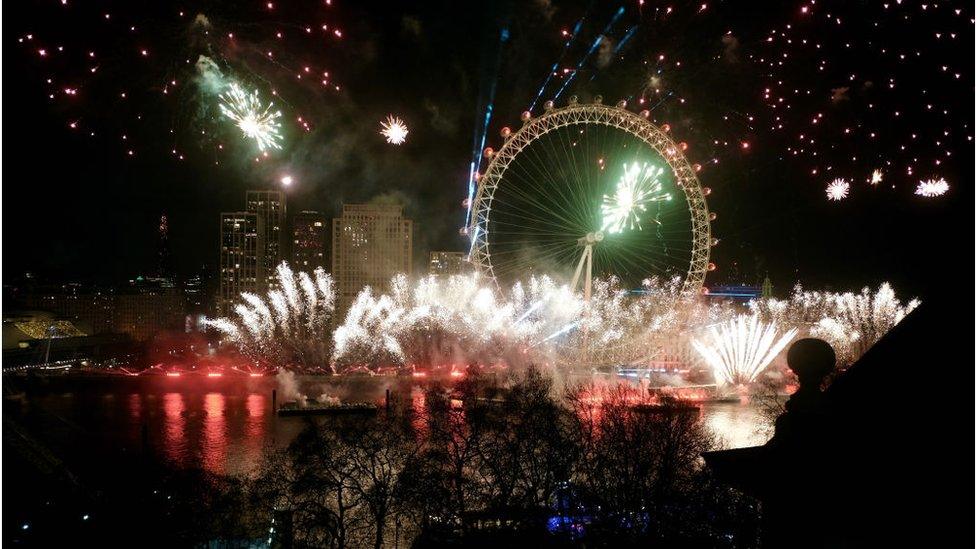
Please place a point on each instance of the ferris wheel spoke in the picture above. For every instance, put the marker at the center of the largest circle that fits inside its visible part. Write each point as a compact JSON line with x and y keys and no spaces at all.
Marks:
{"x":526,"y":214}
{"x":520,"y":193}
{"x":556,"y":185}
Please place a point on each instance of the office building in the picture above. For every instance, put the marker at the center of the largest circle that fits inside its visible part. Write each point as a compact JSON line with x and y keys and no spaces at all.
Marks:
{"x":370,"y":244}
{"x":242,"y":259}
{"x":446,"y":263}
{"x":308,"y":241}
{"x":269,"y":206}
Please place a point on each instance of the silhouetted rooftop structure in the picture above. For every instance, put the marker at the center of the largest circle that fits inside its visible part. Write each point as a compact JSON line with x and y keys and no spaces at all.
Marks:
{"x":865,"y":462}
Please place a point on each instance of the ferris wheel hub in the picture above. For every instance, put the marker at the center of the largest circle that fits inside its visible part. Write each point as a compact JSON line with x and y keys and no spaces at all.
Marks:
{"x":591,"y":238}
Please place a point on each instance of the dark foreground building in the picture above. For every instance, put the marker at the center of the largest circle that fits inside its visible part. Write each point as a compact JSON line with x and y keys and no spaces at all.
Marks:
{"x":874,"y":460}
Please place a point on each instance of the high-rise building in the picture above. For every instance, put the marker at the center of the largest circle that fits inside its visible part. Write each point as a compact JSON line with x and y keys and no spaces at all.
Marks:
{"x":164,"y":267}
{"x":446,"y":263}
{"x":308,"y":244}
{"x":370,"y":243}
{"x":270,"y":207}
{"x":242,"y":260}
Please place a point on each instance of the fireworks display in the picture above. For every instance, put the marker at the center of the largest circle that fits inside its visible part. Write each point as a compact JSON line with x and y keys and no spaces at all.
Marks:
{"x":838,"y":189}
{"x":453,"y":322}
{"x":739,"y":350}
{"x":876,"y":177}
{"x":394,"y":130}
{"x":838,"y":92}
{"x":932,"y":187}
{"x":258,"y":121}
{"x":849,"y":85}
{"x":850,"y":322}
{"x":289,"y":326}
{"x":639,"y":185}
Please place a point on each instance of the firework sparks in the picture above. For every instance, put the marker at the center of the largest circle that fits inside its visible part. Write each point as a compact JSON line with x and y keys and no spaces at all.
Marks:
{"x":639,"y":186}
{"x":876,"y":177}
{"x":851,"y":322}
{"x":838,"y":189}
{"x":932,"y":187}
{"x":289,"y":326}
{"x":740,"y":349}
{"x":394,"y":130}
{"x":255,"y":119}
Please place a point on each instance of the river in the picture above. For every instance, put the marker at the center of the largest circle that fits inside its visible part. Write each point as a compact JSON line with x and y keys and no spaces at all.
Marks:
{"x":220,"y":425}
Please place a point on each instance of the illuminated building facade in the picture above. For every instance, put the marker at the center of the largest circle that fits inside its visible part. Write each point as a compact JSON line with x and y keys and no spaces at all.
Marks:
{"x":242,"y":259}
{"x":269,"y":206}
{"x":308,"y":242}
{"x":446,"y":263}
{"x":370,"y":243}
{"x":144,"y":308}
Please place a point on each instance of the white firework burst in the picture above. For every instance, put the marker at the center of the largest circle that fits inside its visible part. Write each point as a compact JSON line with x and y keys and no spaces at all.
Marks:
{"x":256,"y":120}
{"x":932,"y":187}
{"x":851,"y":322}
{"x":838,"y":189}
{"x":287,"y":327}
{"x":639,"y":185}
{"x":739,"y":350}
{"x":876,"y":177}
{"x":394,"y":130}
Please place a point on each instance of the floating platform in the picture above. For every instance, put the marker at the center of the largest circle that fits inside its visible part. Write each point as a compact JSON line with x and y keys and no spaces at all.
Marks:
{"x":316,"y":409}
{"x":679,"y":407}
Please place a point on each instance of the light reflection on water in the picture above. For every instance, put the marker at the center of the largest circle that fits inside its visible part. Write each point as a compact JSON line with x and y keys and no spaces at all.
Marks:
{"x":225,"y":429}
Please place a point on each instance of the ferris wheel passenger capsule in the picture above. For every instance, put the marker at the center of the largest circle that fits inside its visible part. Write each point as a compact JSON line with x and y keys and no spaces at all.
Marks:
{"x":573,"y":99}
{"x":666,"y":128}
{"x":706,"y":191}
{"x":526,"y":116}
{"x":489,"y":152}
{"x":466,"y":203}
{"x":711,"y":267}
{"x":622,"y":104}
{"x":712,"y":216}
{"x":714,"y":242}
{"x":463,"y":231}
{"x":548,"y":105}
{"x":645,"y":113}
{"x":598,"y":100}
{"x":506,"y":131}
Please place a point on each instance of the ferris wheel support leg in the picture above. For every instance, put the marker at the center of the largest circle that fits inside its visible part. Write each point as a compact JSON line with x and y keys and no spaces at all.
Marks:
{"x":585,"y":259}
{"x":579,"y":270}
{"x":589,"y":274}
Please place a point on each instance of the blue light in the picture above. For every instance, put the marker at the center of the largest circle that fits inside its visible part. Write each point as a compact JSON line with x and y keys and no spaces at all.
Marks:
{"x":596,"y":44}
{"x":552,"y":71}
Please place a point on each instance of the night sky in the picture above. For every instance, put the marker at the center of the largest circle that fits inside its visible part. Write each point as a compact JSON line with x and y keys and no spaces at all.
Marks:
{"x":775,"y":103}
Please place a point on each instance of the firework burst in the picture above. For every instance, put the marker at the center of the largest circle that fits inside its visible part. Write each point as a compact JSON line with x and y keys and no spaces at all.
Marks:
{"x":256,"y":120}
{"x":288,"y":326}
{"x":739,"y":350}
{"x":932,"y":187}
{"x":639,"y":185}
{"x":838,"y":189}
{"x":394,"y":130}
{"x":851,"y":322}
{"x":876,"y":177}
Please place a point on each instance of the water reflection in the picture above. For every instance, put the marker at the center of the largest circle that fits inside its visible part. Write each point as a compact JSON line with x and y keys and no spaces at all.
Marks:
{"x":225,"y":429}
{"x":214,"y":450}
{"x":736,"y":425}
{"x":174,"y":408}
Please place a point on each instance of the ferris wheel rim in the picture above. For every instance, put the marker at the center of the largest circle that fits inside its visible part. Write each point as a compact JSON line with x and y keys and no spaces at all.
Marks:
{"x":619,"y":118}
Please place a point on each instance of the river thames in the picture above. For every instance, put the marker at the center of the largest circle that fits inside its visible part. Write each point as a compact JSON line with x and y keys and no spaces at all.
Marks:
{"x":220,"y":425}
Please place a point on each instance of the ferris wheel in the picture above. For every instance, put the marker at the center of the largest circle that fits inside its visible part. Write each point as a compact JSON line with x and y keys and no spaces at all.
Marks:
{"x":590,"y":190}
